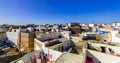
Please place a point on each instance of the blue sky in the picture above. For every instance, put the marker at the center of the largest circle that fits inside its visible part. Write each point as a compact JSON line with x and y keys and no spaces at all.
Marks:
{"x":59,"y":11}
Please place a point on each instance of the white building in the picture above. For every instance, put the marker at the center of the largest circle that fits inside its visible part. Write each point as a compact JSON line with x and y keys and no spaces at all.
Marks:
{"x":83,"y":25}
{"x":115,"y":24}
{"x":91,"y":25}
{"x":14,"y":34}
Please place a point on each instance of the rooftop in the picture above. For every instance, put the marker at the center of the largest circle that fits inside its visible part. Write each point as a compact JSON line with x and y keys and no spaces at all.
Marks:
{"x":69,"y":58}
{"x":103,"y":58}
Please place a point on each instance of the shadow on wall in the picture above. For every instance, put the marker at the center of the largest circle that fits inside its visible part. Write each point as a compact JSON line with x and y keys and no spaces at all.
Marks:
{"x":4,"y":40}
{"x":9,"y":43}
{"x":95,"y":60}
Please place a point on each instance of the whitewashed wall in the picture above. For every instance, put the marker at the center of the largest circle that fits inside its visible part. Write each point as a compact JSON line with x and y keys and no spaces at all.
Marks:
{"x":12,"y":36}
{"x":38,"y":44}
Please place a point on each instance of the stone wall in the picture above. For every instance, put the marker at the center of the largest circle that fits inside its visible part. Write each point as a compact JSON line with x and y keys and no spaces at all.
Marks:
{"x":26,"y":41}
